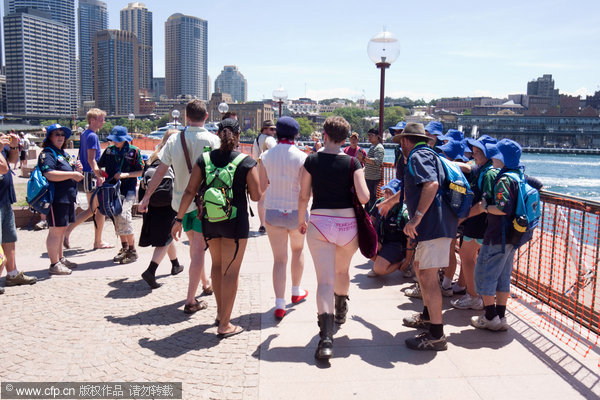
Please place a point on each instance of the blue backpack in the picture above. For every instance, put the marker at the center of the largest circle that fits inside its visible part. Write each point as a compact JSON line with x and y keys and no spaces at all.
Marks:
{"x":455,"y":189}
{"x":109,"y":199}
{"x":527,"y":211}
{"x":40,"y":192}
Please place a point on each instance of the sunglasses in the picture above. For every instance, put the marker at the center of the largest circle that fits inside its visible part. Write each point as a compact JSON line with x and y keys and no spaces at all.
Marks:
{"x":59,"y":134}
{"x":272,"y":129}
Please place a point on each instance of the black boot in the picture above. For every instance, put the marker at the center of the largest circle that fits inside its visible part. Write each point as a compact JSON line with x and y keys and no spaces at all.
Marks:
{"x":341,"y":308}
{"x":325,"y":348}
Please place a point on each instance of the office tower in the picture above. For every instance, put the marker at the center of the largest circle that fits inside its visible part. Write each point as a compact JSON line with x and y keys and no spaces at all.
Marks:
{"x":158,"y":87}
{"x":233,"y":82}
{"x":116,"y":72}
{"x":62,"y":11}
{"x":37,"y":64}
{"x":186,"y":47}
{"x":93,"y":17}
{"x":137,"y":19}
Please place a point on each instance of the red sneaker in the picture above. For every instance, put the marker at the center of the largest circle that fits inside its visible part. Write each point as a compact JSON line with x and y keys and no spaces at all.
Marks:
{"x":298,"y":299}
{"x":279,"y":313}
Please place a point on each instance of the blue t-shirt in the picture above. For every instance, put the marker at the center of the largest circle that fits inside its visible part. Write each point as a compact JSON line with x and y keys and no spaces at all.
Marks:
{"x":65,"y":192}
{"x":439,"y":220}
{"x":128,"y":159}
{"x":7,"y":189}
{"x":89,"y":140}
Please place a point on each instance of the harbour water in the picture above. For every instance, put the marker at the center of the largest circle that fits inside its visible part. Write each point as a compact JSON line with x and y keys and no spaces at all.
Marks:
{"x":571,"y":174}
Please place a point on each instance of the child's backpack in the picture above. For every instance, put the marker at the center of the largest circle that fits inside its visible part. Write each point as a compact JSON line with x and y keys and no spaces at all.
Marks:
{"x":455,"y":189}
{"x":216,"y":193}
{"x":527,"y":211}
{"x":163,"y":194}
{"x":109,"y":199}
{"x":40,"y":192}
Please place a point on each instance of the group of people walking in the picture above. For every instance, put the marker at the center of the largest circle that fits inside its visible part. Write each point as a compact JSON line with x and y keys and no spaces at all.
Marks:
{"x":211,"y":182}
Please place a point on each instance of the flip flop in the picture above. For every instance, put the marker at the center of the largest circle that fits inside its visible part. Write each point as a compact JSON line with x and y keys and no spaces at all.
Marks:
{"x":238,"y":329}
{"x":103,"y":245}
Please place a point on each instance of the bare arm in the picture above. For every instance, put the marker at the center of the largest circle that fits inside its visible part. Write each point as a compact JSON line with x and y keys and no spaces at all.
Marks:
{"x":303,"y":198}
{"x":59,"y":176}
{"x":264,"y":179}
{"x":158,"y":176}
{"x":386,"y":205}
{"x":427,"y":195}
{"x":252,"y":181}
{"x":188,"y":195}
{"x":362,"y":191}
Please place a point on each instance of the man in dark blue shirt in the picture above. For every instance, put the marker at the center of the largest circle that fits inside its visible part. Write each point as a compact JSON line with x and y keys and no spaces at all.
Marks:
{"x":8,"y":229}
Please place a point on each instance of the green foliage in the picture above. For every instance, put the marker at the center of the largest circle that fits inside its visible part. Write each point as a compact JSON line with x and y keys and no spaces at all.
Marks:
{"x":306,"y":127}
{"x":250,"y":133}
{"x":356,"y":118}
{"x":393,"y":115}
{"x":468,"y":111}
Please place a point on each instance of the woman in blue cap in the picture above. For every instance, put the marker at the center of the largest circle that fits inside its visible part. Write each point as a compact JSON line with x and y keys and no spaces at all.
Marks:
{"x":64,"y":173}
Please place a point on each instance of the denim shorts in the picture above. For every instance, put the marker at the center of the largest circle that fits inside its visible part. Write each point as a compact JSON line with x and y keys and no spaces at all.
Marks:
{"x":493,"y":269}
{"x":8,"y":234}
{"x":283,"y":219}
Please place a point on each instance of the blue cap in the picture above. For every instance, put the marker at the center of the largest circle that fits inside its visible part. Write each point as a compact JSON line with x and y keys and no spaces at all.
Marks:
{"x":453,"y":134}
{"x":54,"y":127}
{"x":454,"y":150}
{"x":399,"y":127}
{"x":394,"y":185}
{"x":287,"y":127}
{"x":485,"y":144}
{"x":435,"y":128}
{"x":119,"y":134}
{"x":509,"y":152}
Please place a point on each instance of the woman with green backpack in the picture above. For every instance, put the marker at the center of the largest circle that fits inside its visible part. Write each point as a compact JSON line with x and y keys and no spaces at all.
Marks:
{"x":220,"y":178}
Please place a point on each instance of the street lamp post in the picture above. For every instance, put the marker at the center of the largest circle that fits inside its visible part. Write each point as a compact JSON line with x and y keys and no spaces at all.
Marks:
{"x":131,"y":118}
{"x":223,"y":108}
{"x":280,"y":95}
{"x":383,"y":49}
{"x":175,"y":114}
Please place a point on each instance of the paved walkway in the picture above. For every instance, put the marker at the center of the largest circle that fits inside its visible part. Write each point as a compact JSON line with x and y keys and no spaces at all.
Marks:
{"x":102,"y":323}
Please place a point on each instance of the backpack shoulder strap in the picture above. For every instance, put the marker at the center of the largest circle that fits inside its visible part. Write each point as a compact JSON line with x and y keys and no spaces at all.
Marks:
{"x":185,"y":150}
{"x":238,"y":159}
{"x":427,"y":148}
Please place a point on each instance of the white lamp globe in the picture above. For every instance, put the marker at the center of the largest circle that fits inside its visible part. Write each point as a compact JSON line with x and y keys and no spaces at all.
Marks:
{"x":383,"y":48}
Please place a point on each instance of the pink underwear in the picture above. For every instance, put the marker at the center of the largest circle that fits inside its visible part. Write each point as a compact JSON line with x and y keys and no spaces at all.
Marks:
{"x":337,"y":230}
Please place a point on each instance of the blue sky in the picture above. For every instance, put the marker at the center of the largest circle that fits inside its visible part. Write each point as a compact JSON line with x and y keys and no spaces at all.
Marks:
{"x":448,"y":48}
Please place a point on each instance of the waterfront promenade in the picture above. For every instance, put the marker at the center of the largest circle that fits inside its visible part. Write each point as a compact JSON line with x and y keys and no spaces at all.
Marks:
{"x":102,"y":323}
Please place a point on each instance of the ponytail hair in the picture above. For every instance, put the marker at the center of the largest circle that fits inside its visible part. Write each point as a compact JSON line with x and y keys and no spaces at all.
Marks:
{"x":229,"y":131}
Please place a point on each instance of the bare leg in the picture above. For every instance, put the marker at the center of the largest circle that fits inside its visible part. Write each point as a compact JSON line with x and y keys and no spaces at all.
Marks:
{"x":297,"y":247}
{"x":324,"y":257}
{"x":384,"y":267}
{"x":172,"y":250}
{"x":9,"y":253}
{"x":278,"y":238}
{"x":230,"y":272}
{"x":432,"y":296}
{"x":197,"y":246}
{"x":261,"y":209}
{"x":54,"y":243}
{"x":468,"y":259}
{"x":449,"y":272}
{"x":343,"y":256}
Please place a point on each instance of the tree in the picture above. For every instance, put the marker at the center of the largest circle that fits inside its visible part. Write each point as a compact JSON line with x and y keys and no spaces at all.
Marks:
{"x":306,"y":127}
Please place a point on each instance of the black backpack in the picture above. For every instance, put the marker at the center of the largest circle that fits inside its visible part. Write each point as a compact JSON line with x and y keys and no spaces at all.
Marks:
{"x":164,"y":191}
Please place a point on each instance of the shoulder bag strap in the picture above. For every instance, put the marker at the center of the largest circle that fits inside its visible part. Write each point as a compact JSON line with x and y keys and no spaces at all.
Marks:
{"x":185,"y":151}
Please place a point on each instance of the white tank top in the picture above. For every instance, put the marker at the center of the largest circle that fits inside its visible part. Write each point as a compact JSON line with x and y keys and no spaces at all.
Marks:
{"x":283,"y":163}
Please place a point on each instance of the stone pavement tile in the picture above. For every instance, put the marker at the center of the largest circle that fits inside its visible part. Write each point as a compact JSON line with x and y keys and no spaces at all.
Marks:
{"x":526,"y":386}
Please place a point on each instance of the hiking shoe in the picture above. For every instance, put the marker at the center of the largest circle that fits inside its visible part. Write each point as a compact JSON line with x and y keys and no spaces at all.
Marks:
{"x":20,"y":279}
{"x":416,"y":321}
{"x":176,"y":269}
{"x":120,"y":255}
{"x":69,"y":264}
{"x":447,"y":292}
{"x":504,"y":326}
{"x":40,"y":226}
{"x":457,"y":289}
{"x":59,"y":269}
{"x":414,"y":291}
{"x":424,"y":341}
{"x":129,"y":257}
{"x":468,"y":302}
{"x":262,"y":230}
{"x":408,"y":272}
{"x":482,"y":322}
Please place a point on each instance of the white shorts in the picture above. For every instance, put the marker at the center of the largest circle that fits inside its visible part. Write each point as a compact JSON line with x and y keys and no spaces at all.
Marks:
{"x":433,"y":253}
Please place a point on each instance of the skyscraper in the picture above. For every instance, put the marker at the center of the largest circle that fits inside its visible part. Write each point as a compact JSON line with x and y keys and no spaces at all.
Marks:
{"x":37,"y":64}
{"x":233,"y":82}
{"x":186,"y":61}
{"x":137,"y":19}
{"x":117,"y":72}
{"x":93,"y":17}
{"x":62,"y":11}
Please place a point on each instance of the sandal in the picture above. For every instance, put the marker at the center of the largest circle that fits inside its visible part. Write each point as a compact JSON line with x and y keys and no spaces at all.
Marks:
{"x":197,"y":306}
{"x":104,"y":245}
{"x":207,"y":291}
{"x":235,"y":331}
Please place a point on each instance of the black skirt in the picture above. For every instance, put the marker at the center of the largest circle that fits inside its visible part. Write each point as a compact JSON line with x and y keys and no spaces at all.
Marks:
{"x":156,"y":226}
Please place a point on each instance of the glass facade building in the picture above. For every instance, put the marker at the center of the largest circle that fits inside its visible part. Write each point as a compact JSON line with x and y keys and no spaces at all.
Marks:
{"x":137,"y":19}
{"x":231,"y":81}
{"x":93,"y":17}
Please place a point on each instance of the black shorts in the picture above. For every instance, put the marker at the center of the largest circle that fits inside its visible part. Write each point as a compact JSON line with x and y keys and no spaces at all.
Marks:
{"x":238,"y":228}
{"x":89,"y":182}
{"x":392,"y":251}
{"x":61,"y":214}
{"x":23,"y":155}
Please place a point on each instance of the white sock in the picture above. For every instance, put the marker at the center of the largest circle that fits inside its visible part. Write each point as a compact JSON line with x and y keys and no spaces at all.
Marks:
{"x":296,"y":291}
{"x":12,"y":274}
{"x":280,"y":303}
{"x":447,"y":283}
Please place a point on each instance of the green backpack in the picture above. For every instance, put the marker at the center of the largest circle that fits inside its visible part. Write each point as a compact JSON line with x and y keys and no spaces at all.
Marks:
{"x":216,"y":194}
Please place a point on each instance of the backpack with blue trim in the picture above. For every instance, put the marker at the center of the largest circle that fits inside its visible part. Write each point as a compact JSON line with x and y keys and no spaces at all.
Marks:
{"x":527,"y":211}
{"x":40,"y":192}
{"x":455,"y":189}
{"x":109,"y":199}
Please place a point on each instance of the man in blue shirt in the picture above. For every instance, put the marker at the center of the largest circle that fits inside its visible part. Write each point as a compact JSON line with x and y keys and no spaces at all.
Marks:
{"x":89,"y":154}
{"x":8,"y":229}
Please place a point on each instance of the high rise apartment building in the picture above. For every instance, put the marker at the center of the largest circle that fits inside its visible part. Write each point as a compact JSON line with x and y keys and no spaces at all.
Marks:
{"x":231,"y":81}
{"x":186,"y":61}
{"x":93,"y":17}
{"x":62,"y":11}
{"x":37,"y":64}
{"x":117,"y":84}
{"x":137,"y":19}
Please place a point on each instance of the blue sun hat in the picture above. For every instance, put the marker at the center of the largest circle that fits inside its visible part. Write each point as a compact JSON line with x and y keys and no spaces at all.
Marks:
{"x":394,"y":185}
{"x":119,"y":134}
{"x":484,"y":143}
{"x":453,"y":134}
{"x":454,"y":150}
{"x":54,"y":127}
{"x":398,"y":127}
{"x":509,"y":152}
{"x":435,"y":128}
